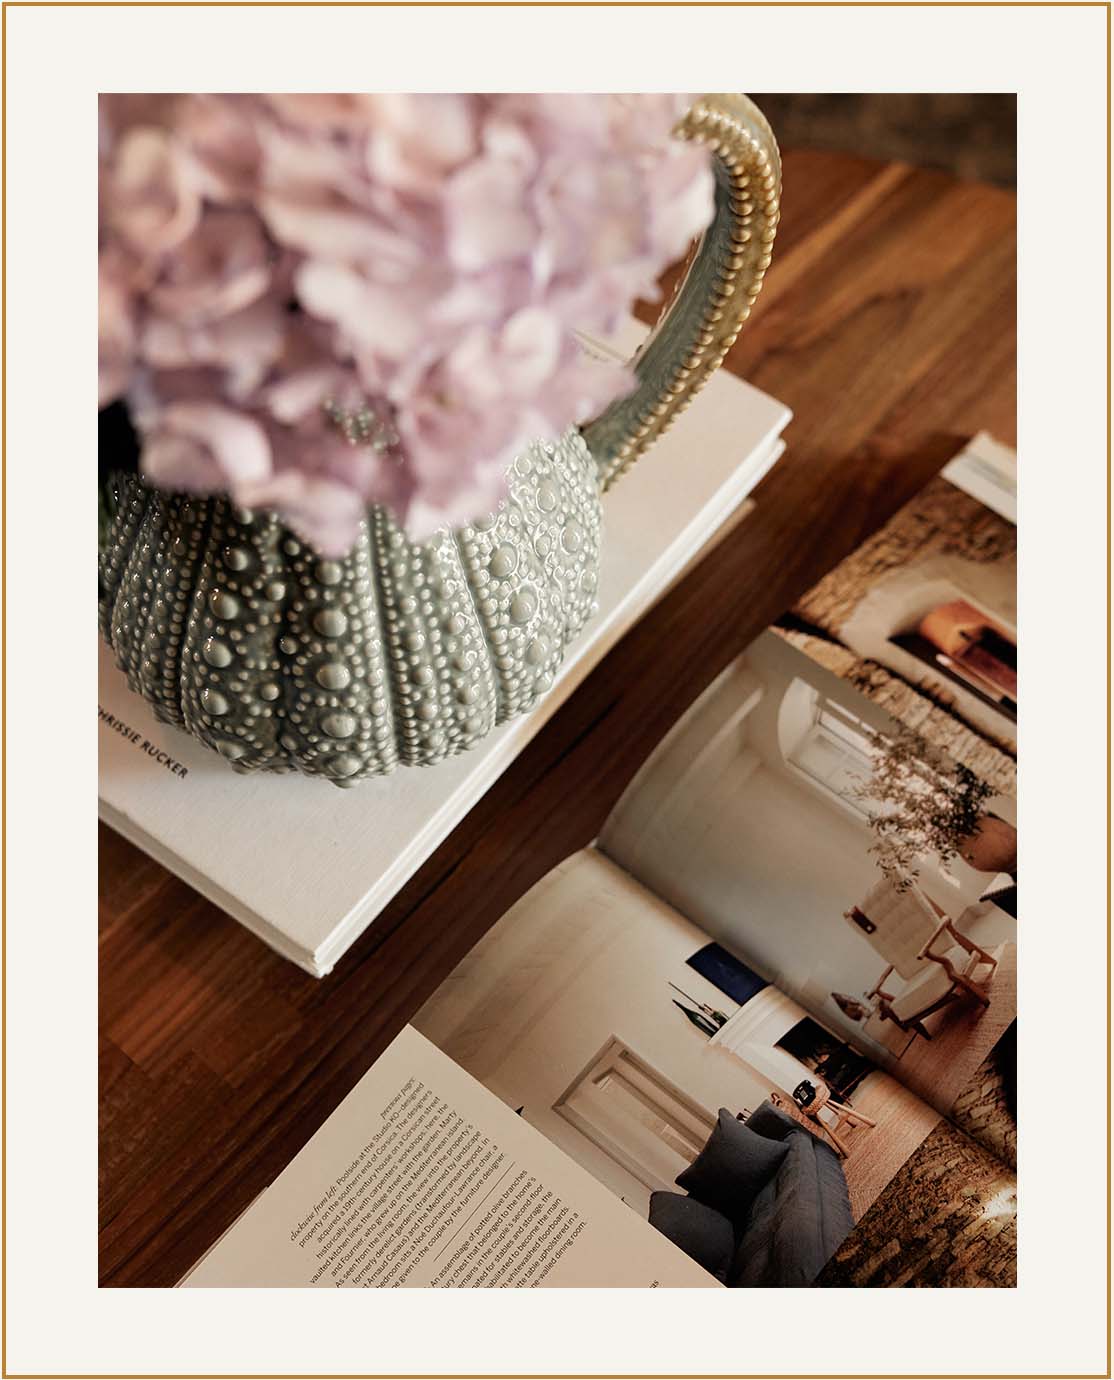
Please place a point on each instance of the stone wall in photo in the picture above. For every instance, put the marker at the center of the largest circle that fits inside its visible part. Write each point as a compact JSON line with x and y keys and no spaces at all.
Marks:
{"x":948,"y":1219}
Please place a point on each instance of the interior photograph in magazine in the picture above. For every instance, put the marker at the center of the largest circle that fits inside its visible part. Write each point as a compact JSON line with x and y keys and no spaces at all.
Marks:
{"x":773,"y":1009}
{"x":762,"y":1032}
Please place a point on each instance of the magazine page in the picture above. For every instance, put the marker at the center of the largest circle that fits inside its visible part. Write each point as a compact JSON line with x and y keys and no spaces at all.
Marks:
{"x":422,"y":1179}
{"x":839,"y":808}
{"x":672,"y":1069}
{"x":922,"y":621}
{"x":838,"y":813}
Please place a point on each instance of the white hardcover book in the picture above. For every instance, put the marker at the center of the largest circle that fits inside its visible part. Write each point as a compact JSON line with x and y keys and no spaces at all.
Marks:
{"x":308,"y":867}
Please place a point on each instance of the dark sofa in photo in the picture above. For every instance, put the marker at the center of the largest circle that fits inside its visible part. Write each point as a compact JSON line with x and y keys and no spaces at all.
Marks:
{"x":765,"y":1206}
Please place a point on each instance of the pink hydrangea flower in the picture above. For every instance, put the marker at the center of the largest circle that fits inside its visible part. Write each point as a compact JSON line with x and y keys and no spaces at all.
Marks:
{"x":202,"y":446}
{"x":116,"y":329}
{"x":272,"y":266}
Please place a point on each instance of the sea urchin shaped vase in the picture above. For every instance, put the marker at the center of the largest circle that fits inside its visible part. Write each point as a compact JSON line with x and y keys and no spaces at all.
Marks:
{"x":404,"y":652}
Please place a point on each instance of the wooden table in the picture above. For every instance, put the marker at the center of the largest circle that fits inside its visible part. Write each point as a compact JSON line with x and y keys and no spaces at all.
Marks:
{"x":844,"y":1117}
{"x":887,"y":324}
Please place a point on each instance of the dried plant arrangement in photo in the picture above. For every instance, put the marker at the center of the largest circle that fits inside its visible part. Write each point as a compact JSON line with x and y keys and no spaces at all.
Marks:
{"x":921,"y":803}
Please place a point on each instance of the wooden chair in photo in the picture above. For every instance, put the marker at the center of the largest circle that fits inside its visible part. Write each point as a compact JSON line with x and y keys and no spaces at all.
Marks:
{"x":923,"y":947}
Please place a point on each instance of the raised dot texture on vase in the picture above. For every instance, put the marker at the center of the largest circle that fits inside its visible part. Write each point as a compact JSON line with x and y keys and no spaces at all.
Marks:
{"x":523,"y":606}
{"x":216,"y":652}
{"x":213,"y":702}
{"x":224,"y":605}
{"x":399,"y":652}
{"x":572,"y":539}
{"x":333,"y":675}
{"x":504,"y":562}
{"x":547,"y":496}
{"x":330,"y":623}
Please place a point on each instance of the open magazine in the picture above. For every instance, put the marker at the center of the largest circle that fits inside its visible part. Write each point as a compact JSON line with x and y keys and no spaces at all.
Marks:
{"x":761,"y":1034}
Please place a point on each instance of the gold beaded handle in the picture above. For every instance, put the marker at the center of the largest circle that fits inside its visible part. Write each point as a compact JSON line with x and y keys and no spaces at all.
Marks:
{"x":715,"y":295}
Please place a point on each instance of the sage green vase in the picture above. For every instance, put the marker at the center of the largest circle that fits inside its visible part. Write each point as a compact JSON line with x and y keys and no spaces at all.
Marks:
{"x":403,"y":652}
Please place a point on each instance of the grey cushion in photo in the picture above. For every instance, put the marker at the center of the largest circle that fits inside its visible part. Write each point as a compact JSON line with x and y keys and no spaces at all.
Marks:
{"x":700,"y":1231}
{"x":732,"y":1168}
{"x":771,"y":1122}
{"x":797,"y":1223}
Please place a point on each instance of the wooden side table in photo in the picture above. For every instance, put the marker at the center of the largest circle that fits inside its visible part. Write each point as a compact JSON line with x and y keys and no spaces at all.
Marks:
{"x":846,"y":1117}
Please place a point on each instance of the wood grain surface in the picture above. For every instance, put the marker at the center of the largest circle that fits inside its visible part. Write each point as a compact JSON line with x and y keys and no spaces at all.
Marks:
{"x":887,"y":324}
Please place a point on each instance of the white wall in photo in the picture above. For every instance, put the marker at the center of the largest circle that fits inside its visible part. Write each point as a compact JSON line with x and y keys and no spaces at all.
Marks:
{"x":584,"y":959}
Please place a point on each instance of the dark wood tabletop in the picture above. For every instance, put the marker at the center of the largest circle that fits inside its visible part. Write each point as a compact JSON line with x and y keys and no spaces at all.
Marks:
{"x":887,"y":325}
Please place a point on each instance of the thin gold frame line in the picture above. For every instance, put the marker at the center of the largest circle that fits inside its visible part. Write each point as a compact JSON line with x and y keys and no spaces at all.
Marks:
{"x":920,"y":4}
{"x":1108,"y":699}
{"x":4,"y":687}
{"x":560,"y":4}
